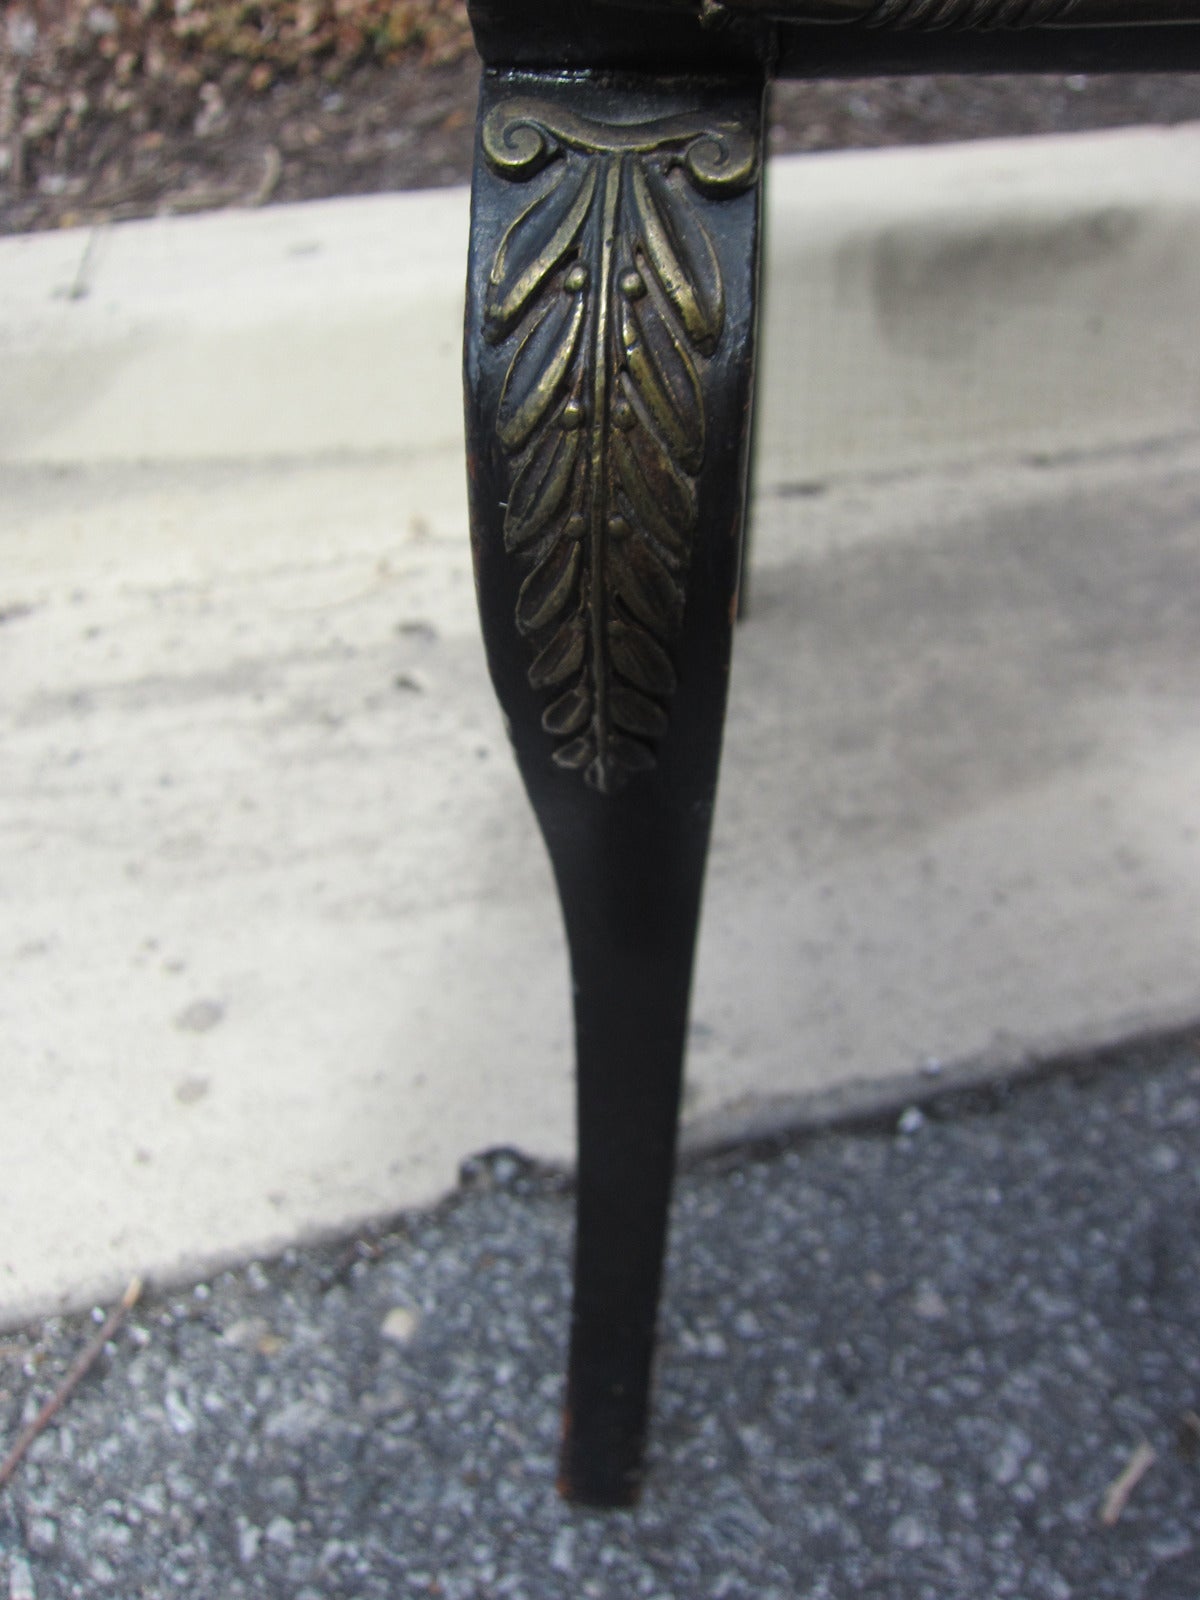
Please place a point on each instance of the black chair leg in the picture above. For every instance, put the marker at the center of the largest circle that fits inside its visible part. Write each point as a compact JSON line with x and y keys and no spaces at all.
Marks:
{"x":609,"y":360}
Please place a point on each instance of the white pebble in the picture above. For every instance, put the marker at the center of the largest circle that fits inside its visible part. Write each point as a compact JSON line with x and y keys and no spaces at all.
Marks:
{"x":281,"y":1532}
{"x":42,"y":1535}
{"x":400,"y":1324}
{"x":181,"y":1419}
{"x":20,"y":1580}
{"x":249,"y":1538}
{"x":562,"y":1557}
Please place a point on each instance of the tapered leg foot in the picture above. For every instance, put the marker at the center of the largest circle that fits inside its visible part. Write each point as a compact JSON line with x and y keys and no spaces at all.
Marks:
{"x":611,"y":307}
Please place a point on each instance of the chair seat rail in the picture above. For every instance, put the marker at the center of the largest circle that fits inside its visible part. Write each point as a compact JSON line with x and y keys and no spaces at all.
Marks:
{"x":931,"y":15}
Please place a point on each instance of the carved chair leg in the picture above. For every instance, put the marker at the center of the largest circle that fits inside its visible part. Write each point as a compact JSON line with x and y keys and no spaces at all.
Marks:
{"x":611,"y":302}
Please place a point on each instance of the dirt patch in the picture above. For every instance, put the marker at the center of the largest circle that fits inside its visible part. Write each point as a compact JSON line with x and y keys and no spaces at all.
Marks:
{"x":119,"y":110}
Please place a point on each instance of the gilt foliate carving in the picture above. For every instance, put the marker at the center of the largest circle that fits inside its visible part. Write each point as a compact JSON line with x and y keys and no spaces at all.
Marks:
{"x":606,"y":295}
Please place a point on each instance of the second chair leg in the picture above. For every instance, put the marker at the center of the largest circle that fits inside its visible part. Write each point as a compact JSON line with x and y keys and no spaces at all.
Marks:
{"x":609,"y":355}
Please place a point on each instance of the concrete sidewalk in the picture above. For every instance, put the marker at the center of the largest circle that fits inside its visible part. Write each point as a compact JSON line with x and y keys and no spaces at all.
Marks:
{"x":282,"y":946}
{"x":924,"y":306}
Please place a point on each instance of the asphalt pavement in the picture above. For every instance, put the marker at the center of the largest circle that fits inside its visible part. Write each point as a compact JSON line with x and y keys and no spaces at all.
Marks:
{"x":950,"y":1356}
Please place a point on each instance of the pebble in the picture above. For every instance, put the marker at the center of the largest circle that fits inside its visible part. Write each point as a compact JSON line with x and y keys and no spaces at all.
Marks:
{"x":1170,"y":1546}
{"x":908,"y":1533}
{"x":400,"y":1324}
{"x":153,"y":1499}
{"x":929,"y":1304}
{"x":281,"y":1531}
{"x":1008,"y":1460}
{"x":42,"y":1535}
{"x":181,"y":1419}
{"x":296,"y":1422}
{"x":283,"y":1491}
{"x":118,"y":1536}
{"x":22,"y":35}
{"x":248,"y":1540}
{"x":1184,"y":1113}
{"x":385,"y":1402}
{"x":562,"y":1556}
{"x":20,"y":1579}
{"x":1164,"y":1159}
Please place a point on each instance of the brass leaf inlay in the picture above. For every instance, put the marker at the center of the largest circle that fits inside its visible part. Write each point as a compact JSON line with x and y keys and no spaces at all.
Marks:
{"x":608,"y":289}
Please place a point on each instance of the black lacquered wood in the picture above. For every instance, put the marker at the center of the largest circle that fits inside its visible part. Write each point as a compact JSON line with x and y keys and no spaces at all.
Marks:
{"x":805,"y":40}
{"x":935,"y":16}
{"x":583,"y":34}
{"x":593,"y":144}
{"x":632,"y":620}
{"x":861,"y":52}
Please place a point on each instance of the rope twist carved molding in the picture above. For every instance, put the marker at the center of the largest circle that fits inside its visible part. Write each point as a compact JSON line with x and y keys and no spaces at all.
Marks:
{"x":609,"y":290}
{"x":934,"y":14}
{"x":964,"y":15}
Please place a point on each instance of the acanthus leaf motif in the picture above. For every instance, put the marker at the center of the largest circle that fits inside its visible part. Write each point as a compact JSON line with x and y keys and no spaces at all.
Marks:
{"x":548,"y":587}
{"x":539,"y":370}
{"x":662,"y":373}
{"x":682,"y":255}
{"x":561,"y":657}
{"x":540,"y":488}
{"x":641,"y":579}
{"x":534,"y":245}
{"x":636,"y":713}
{"x":568,"y":713}
{"x":607,"y":289}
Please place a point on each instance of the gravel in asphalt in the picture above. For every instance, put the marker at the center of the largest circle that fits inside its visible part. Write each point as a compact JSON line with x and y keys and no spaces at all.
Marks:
{"x":907,"y":1360}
